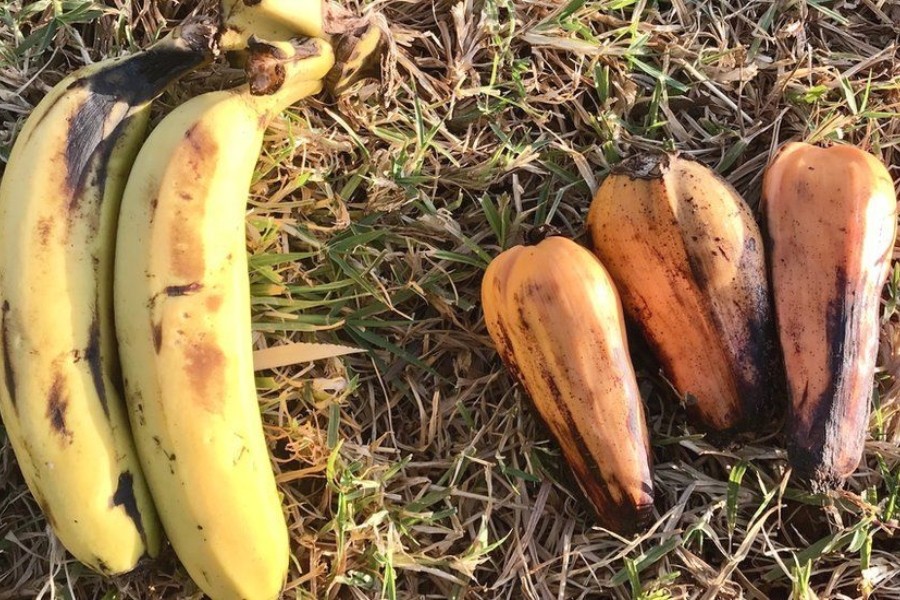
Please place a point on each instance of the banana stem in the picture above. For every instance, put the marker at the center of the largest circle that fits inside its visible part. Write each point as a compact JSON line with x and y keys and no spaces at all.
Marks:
{"x":536,"y":235}
{"x":280,"y":74}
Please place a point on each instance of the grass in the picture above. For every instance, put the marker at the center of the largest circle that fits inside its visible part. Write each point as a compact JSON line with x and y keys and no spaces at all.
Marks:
{"x":414,"y":470}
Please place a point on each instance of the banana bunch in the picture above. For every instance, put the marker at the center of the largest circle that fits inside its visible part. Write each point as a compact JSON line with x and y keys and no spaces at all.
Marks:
{"x":132,"y":247}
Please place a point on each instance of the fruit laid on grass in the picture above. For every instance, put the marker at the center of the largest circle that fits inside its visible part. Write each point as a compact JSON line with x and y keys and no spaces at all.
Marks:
{"x":182,"y":303}
{"x":831,"y":218}
{"x":555,"y":319}
{"x":60,"y":398}
{"x":686,"y":255}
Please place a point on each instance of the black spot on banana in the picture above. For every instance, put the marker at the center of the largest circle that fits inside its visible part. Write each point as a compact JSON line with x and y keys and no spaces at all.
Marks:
{"x":157,"y":336}
{"x":59,"y":399}
{"x":130,"y":83}
{"x":102,"y":567}
{"x":183,"y":290}
{"x":9,"y":378}
{"x":93,"y":356}
{"x":57,"y":405}
{"x":125,"y":498}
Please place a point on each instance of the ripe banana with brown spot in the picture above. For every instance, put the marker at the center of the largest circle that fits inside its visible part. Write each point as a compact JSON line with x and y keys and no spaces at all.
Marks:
{"x":60,"y":399}
{"x":554,"y":316}
{"x":831,"y":216}
{"x":687,"y":258}
{"x":182,"y":303}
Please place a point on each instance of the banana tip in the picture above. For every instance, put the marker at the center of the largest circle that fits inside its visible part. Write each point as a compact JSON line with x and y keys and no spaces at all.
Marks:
{"x":358,"y":54}
{"x":198,"y":33}
{"x":265,"y":68}
{"x":643,"y":166}
{"x":265,"y":71}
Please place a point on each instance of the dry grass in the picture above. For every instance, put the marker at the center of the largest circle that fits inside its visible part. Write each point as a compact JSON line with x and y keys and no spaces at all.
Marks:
{"x":413,"y":471}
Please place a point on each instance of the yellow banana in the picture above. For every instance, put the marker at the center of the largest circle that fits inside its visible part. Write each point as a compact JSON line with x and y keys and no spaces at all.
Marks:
{"x":182,"y":305}
{"x":271,"y":20}
{"x":60,"y":399}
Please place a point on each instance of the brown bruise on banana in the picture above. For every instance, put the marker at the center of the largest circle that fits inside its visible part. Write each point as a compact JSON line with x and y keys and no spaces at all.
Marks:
{"x":833,"y":212}
{"x":204,"y":367}
{"x":124,"y":497}
{"x":622,"y":499}
{"x":213,"y":303}
{"x":689,"y":227}
{"x":186,"y":253}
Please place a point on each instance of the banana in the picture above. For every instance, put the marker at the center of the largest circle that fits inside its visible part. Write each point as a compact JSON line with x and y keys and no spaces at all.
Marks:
{"x":357,"y":56}
{"x":182,"y":305}
{"x":270,"y":20}
{"x":60,"y":399}
{"x":687,"y":258}
{"x":831,"y":221}
{"x":358,"y":42}
{"x":555,"y":318}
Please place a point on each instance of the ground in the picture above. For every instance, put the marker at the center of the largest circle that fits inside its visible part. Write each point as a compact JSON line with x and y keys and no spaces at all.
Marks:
{"x":417,"y":469}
